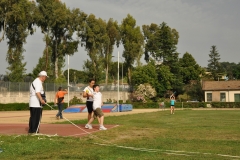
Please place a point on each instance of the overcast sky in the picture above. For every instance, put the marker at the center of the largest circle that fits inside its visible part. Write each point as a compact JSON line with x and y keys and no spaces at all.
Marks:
{"x":200,"y":23}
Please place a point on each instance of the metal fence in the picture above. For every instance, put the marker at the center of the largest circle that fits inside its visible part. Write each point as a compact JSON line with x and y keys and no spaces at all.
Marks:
{"x":24,"y":86}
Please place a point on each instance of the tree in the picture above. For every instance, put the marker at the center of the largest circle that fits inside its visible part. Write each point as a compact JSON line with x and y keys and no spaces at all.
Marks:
{"x":189,"y":69}
{"x":145,"y":74}
{"x":144,"y":92}
{"x":195,"y":91}
{"x":229,"y":69}
{"x":161,"y":44}
{"x":132,"y":40}
{"x":113,"y":71}
{"x":113,"y":38}
{"x":236,"y":72}
{"x":59,"y":24}
{"x":76,"y":76}
{"x":94,"y":39}
{"x":44,"y":62}
{"x":214,"y":65}
{"x":16,"y":20}
{"x":165,"y":79}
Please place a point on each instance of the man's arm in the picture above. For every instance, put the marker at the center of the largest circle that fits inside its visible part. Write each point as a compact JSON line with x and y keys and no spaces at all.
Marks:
{"x":56,"y":99}
{"x":86,"y":95}
{"x":40,"y":98}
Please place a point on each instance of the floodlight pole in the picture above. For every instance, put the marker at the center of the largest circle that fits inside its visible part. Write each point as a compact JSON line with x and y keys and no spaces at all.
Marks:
{"x":118,"y":85}
{"x":68,"y":80}
{"x":122,"y":77}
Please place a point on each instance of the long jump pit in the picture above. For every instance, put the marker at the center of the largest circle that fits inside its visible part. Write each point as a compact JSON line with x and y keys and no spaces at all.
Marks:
{"x":16,"y":123}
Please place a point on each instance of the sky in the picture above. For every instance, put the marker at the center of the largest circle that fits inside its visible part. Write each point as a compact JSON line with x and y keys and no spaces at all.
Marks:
{"x":200,"y":24}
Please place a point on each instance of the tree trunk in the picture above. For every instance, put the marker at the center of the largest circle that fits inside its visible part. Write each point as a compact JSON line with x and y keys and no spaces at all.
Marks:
{"x":46,"y":56}
{"x":56,"y":60}
{"x":106,"y":80}
{"x":4,"y":29}
{"x":129,"y":76}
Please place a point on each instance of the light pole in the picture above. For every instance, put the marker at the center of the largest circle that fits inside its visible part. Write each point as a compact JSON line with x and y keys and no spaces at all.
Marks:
{"x":118,"y":85}
{"x":68,"y":80}
{"x":118,"y":79}
{"x":122,"y":76}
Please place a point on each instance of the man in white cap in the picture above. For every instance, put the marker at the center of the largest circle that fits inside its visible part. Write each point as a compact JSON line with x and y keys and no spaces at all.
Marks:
{"x":37,"y":99}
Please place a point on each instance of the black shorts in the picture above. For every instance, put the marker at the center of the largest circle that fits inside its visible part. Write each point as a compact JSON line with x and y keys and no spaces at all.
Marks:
{"x":89,"y":105}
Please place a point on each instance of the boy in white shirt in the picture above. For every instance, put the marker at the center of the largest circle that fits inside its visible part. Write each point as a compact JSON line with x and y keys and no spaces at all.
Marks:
{"x":97,"y":111}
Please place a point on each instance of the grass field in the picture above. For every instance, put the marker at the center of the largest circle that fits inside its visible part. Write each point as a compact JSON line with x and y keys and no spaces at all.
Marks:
{"x":189,"y":134}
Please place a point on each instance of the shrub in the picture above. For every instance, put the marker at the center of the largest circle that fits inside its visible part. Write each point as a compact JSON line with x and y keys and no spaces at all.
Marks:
{"x":75,"y":100}
{"x":20,"y":107}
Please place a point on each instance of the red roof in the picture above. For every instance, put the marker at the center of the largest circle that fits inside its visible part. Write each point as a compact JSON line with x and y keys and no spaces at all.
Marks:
{"x":220,"y":85}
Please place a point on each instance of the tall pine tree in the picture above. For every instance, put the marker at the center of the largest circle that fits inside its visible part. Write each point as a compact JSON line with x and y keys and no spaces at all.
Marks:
{"x":214,"y":65}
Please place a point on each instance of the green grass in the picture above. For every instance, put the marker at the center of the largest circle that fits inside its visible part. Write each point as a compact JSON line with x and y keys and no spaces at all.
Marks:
{"x":189,"y":134}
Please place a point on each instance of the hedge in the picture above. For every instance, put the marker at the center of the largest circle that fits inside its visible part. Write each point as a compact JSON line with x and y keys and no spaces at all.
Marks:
{"x":188,"y":105}
{"x":22,"y":107}
{"x":136,"y":105}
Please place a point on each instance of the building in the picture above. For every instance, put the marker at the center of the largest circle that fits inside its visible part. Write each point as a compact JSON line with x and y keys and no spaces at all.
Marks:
{"x":221,"y":91}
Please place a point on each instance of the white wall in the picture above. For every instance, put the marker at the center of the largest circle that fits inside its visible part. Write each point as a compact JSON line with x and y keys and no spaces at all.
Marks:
{"x":23,"y":97}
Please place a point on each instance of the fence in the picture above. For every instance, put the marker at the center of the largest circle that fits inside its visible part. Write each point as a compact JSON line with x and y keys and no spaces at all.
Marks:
{"x":24,"y":86}
{"x":18,"y":92}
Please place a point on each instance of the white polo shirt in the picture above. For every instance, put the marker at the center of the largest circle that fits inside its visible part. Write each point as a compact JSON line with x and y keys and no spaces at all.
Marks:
{"x":34,"y":101}
{"x":97,"y":100}
{"x":90,"y":91}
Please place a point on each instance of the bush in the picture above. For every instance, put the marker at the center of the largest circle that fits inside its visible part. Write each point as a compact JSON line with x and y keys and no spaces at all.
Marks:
{"x":136,"y":105}
{"x":21,"y":107}
{"x":75,"y":100}
{"x":225,"y":104}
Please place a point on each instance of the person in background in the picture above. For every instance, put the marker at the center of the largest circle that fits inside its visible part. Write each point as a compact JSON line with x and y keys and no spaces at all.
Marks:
{"x":37,"y":100}
{"x":97,"y":111}
{"x":59,"y":99}
{"x":172,"y":103}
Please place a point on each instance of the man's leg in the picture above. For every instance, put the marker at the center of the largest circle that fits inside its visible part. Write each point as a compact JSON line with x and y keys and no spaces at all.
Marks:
{"x":89,"y":105}
{"x":60,"y":110}
{"x":58,"y":114}
{"x":36,"y":115}
{"x":30,"y":121}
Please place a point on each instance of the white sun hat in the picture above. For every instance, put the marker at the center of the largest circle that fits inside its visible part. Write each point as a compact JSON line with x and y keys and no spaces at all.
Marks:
{"x":43,"y":73}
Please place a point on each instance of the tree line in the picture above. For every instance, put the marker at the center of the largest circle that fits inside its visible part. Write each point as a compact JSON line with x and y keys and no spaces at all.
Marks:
{"x":64,"y":29}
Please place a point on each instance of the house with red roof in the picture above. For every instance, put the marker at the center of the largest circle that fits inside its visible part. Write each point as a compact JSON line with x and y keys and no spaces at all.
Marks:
{"x":221,"y":91}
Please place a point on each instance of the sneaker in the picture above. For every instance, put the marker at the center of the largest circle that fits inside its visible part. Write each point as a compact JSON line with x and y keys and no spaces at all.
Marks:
{"x":57,"y":117}
{"x":89,"y":126}
{"x":102,"y":128}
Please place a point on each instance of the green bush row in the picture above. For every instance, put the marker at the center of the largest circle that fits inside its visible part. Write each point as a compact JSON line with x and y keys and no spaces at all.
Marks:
{"x":225,"y":104}
{"x":23,"y":107}
{"x":188,"y":105}
{"x":136,"y":105}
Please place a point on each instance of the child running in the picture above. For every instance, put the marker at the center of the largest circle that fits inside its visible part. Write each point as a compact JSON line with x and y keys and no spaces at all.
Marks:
{"x":97,"y":111}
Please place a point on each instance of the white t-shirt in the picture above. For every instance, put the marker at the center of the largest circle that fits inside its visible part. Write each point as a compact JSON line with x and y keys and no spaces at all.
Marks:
{"x":90,"y":91}
{"x":34,"y":101}
{"x":97,"y":100}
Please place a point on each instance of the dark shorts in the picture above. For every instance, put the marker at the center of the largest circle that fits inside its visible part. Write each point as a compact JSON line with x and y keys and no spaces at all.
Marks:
{"x":98,"y":113}
{"x":89,"y":105}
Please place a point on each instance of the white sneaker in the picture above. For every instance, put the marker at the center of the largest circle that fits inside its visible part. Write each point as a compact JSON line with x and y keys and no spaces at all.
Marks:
{"x":102,"y":128}
{"x":89,"y":126}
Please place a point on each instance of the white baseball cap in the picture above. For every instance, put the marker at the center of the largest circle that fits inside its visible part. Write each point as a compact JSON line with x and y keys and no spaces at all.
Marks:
{"x":43,"y":73}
